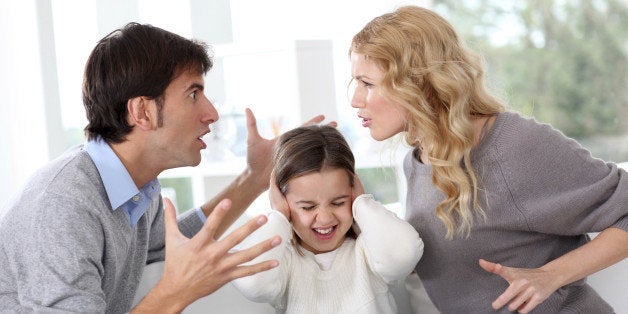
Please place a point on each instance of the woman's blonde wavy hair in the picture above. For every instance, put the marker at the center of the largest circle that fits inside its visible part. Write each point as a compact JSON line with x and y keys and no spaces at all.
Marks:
{"x":428,"y":70}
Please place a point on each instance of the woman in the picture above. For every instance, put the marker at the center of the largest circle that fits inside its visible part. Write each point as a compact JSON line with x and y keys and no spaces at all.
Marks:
{"x":485,"y":184}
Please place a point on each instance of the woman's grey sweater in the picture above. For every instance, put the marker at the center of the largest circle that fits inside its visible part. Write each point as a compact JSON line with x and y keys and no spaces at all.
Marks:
{"x":541,"y":192}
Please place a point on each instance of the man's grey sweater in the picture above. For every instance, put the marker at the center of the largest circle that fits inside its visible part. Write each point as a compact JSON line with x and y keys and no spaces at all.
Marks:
{"x":64,"y":249}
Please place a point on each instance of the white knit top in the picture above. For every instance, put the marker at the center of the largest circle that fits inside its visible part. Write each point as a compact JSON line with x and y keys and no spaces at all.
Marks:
{"x":354,"y":278}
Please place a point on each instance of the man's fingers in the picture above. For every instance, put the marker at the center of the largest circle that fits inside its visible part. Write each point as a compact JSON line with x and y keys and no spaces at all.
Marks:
{"x":317,"y":119}
{"x":251,"y":125}
{"x":251,"y":253}
{"x":170,"y":218}
{"x":207,"y":233}
{"x":244,"y":256}
{"x":236,"y":236}
{"x":243,"y":271}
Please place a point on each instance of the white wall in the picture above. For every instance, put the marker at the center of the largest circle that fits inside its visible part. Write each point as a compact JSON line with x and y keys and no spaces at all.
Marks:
{"x":23,"y":136}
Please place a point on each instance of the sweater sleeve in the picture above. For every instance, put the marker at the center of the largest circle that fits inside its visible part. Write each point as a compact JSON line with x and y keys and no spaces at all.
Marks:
{"x":392,"y":246}
{"x":269,"y":286}
{"x":557,"y":185}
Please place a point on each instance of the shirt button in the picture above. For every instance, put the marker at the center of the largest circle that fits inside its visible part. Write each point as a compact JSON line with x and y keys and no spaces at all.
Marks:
{"x":136,"y":198}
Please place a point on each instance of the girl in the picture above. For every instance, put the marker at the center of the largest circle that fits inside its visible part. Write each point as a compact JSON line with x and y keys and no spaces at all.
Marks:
{"x":345,"y":247}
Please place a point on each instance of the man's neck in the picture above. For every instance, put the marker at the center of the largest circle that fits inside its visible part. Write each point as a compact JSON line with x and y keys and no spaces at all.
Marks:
{"x":136,"y":161}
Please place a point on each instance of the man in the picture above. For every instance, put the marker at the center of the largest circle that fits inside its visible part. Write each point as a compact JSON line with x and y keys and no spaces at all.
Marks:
{"x":78,"y":236}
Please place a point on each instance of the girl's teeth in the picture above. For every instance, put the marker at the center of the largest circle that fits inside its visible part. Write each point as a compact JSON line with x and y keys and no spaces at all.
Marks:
{"x":324,"y":231}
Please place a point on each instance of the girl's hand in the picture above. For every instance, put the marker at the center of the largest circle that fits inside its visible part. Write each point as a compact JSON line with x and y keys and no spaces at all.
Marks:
{"x":277,"y":200}
{"x":528,"y":286}
{"x":358,"y":188}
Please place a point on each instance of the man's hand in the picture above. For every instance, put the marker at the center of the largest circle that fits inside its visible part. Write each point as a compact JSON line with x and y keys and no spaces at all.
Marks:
{"x":201,"y":265}
{"x":260,"y":150}
{"x":528,"y":287}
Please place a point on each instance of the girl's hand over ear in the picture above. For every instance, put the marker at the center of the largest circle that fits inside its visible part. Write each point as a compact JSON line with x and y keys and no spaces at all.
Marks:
{"x":277,"y":200}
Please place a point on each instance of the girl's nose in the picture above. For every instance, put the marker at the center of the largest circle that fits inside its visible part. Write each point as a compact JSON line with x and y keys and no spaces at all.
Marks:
{"x":324,"y":216}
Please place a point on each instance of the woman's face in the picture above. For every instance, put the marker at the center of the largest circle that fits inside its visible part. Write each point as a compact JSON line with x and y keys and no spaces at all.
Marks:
{"x":320,"y":209}
{"x":383,"y":117}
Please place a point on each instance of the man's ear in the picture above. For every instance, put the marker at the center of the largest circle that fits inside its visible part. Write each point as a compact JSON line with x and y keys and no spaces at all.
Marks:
{"x":142,"y":112}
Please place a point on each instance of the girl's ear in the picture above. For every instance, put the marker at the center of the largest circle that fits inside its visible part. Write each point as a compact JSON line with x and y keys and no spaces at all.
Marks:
{"x":142,"y":112}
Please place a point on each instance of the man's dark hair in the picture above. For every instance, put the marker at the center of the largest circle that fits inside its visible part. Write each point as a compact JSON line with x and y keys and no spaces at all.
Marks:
{"x":136,"y":60}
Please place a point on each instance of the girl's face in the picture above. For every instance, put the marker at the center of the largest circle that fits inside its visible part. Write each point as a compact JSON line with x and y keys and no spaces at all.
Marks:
{"x":320,"y":209}
{"x":383,"y":117}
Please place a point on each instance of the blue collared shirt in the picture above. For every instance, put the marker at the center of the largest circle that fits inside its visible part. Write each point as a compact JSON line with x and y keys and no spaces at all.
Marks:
{"x":119,"y":185}
{"x":121,"y":190}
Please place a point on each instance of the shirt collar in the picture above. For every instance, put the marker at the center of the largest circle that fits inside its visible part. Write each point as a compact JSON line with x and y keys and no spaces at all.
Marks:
{"x":116,"y":179}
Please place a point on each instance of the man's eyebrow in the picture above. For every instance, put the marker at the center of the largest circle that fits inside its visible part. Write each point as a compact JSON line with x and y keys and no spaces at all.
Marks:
{"x":196,"y":86}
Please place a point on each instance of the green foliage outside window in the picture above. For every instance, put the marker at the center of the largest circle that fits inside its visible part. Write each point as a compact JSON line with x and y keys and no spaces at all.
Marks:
{"x":565,"y":63}
{"x":183,"y":189}
{"x":381,"y":182}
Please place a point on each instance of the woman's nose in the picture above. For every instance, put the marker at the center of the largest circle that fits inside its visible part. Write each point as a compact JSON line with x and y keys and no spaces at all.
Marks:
{"x":357,"y":101}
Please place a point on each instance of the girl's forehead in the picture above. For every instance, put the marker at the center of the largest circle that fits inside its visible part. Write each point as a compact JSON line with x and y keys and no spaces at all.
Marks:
{"x":330,"y":183}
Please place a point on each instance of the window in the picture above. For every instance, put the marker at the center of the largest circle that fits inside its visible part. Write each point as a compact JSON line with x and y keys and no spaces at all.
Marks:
{"x":571,"y":74}
{"x":563,"y":62}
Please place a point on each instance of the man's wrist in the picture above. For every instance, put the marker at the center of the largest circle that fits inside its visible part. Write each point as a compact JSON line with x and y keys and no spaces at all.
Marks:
{"x":158,"y":300}
{"x":257,"y":182}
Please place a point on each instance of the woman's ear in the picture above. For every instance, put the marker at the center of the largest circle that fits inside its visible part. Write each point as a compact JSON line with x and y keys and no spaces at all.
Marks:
{"x":142,"y":113}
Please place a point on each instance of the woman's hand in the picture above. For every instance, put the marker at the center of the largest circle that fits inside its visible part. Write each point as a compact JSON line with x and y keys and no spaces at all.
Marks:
{"x":528,"y":286}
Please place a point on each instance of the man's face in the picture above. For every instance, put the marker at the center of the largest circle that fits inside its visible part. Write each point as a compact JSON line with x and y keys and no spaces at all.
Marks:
{"x":187,"y":114}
